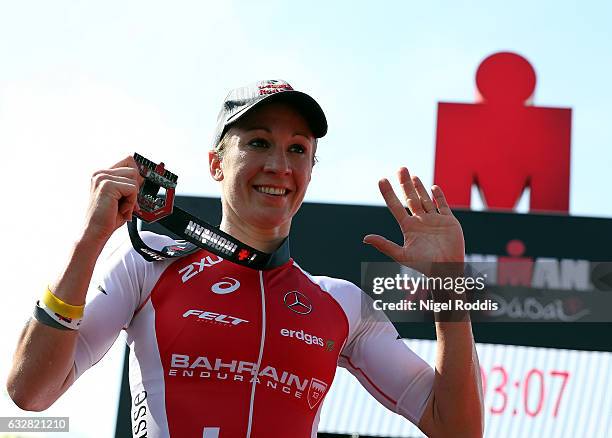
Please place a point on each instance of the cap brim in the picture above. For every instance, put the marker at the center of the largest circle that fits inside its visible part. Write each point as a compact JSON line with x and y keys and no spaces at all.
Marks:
{"x":306,"y":105}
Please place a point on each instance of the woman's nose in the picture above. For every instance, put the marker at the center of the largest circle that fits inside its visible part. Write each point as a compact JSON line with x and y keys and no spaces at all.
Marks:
{"x":277,"y":162}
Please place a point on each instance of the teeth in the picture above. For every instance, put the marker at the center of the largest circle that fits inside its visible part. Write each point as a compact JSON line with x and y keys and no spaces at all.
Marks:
{"x":271,"y":190}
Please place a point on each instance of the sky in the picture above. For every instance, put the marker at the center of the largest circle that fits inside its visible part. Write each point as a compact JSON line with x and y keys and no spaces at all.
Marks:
{"x":84,"y":84}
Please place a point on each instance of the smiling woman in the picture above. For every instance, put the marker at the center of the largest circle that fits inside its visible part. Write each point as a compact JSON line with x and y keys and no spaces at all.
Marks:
{"x":264,"y":166}
{"x":222,"y":350}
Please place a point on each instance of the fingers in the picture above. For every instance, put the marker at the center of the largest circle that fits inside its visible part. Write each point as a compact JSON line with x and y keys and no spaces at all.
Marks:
{"x":126,"y":162}
{"x":125,"y":171}
{"x":441,"y":202}
{"x":122,"y":189}
{"x":412,"y":197}
{"x":393,"y":203}
{"x":127,"y":182}
{"x":129,"y":162}
{"x":113,"y":199}
{"x":417,"y":197}
{"x":99,"y":178}
{"x":390,"y":249}
{"x":119,"y":187}
{"x":426,"y":202}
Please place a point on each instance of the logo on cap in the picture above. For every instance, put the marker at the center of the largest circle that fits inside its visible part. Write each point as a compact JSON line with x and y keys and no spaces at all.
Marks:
{"x":273,"y":86}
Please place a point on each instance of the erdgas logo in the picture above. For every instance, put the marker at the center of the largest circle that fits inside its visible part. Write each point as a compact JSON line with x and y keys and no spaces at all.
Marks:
{"x":213,"y":317}
{"x":304,"y":337}
{"x":265,"y":376}
{"x":195,"y":268}
{"x":225,"y":287}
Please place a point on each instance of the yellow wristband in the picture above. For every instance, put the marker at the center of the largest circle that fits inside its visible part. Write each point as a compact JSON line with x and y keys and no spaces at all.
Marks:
{"x":58,"y":306}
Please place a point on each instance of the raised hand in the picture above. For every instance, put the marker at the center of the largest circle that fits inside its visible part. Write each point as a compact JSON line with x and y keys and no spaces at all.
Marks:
{"x":431,"y":235}
{"x":112,"y":199}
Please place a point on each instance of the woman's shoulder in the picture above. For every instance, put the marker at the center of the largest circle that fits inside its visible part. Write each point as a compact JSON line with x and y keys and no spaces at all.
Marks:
{"x":156,"y":240}
{"x":331,"y":284}
{"x":151,"y":239}
{"x":336,"y":285}
{"x":344,"y":292}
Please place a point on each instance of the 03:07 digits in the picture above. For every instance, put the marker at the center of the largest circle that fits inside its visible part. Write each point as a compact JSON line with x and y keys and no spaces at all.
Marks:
{"x":527,"y":395}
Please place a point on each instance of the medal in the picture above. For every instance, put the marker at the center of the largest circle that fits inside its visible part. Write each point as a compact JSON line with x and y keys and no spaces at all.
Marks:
{"x":156,"y":202}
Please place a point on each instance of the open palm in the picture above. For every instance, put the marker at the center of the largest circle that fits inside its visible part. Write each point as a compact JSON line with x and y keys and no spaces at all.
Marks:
{"x":432,"y":234}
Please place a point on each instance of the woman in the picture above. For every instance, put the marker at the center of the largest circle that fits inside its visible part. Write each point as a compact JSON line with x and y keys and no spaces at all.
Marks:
{"x":222,"y":350}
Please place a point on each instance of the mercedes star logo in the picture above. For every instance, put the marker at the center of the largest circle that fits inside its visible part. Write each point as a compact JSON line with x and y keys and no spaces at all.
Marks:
{"x":298,"y":302}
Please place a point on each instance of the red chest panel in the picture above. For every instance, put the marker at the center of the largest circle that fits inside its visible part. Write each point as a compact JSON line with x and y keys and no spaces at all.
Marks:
{"x":243,"y":348}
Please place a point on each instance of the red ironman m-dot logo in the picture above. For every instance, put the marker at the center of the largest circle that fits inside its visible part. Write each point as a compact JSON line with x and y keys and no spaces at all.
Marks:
{"x":502,"y":143}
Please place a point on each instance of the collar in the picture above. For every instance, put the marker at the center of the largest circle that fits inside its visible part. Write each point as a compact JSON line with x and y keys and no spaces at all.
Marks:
{"x":279,"y":257}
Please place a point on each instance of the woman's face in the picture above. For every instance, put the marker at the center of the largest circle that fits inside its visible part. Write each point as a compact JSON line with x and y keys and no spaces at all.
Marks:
{"x":266,"y":166}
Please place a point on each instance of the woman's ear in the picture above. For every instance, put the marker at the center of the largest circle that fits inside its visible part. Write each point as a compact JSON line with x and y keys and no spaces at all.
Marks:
{"x":214,"y":165}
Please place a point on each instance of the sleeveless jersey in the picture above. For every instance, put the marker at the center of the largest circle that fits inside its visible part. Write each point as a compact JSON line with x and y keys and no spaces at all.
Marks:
{"x":219,"y":350}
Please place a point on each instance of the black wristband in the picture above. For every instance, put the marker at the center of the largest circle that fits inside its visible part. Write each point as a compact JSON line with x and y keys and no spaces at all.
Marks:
{"x":41,"y":316}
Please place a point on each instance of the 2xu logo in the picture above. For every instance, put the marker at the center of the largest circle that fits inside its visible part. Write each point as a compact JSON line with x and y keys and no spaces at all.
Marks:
{"x":195,"y":268}
{"x":225,"y":287}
